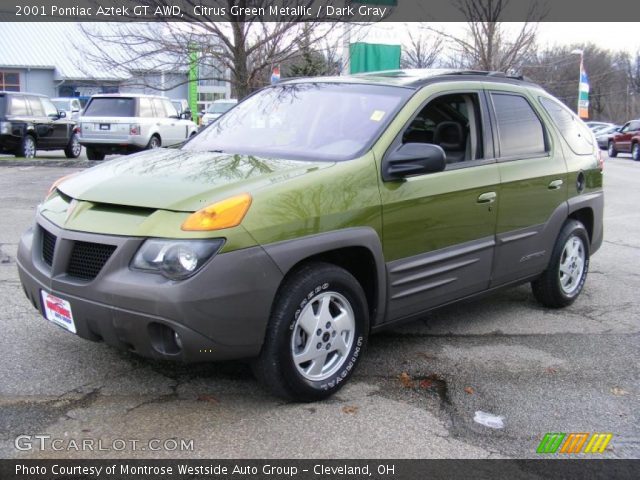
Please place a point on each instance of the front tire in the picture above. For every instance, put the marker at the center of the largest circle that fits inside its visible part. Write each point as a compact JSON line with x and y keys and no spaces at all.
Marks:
{"x":316,"y":334}
{"x":28,"y":147}
{"x":561,"y":283}
{"x":94,"y":154}
{"x":73,"y":149}
{"x":611,"y":150}
{"x":635,"y":152}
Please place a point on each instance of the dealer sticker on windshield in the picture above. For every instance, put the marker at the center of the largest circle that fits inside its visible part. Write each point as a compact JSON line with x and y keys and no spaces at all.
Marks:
{"x":58,"y":311}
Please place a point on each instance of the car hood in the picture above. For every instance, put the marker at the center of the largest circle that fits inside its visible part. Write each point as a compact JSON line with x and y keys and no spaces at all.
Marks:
{"x":180,"y":180}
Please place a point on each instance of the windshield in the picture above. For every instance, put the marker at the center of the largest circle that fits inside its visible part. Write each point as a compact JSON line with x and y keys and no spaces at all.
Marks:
{"x":61,"y":104}
{"x":111,"y":107}
{"x":220,"y":107}
{"x":319,"y":121}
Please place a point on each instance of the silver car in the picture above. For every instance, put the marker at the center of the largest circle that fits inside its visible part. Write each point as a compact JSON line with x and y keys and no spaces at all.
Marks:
{"x":69,"y":105}
{"x":124,"y":123}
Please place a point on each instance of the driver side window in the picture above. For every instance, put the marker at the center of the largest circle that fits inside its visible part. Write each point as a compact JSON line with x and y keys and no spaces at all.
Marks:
{"x":452,"y":122}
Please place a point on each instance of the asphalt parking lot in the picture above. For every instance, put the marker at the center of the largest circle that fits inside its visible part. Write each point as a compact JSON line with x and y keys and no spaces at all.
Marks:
{"x":414,"y":395}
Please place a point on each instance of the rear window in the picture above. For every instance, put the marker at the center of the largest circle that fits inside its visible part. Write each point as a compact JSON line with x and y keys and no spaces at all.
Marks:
{"x":519,"y":128}
{"x":111,"y":107}
{"x":576,"y":133}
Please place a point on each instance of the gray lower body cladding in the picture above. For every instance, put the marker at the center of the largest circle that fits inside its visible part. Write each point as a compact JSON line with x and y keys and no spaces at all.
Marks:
{"x":220,"y":313}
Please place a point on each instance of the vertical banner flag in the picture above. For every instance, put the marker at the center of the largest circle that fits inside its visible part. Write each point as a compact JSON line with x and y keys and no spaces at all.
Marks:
{"x":193,"y":81}
{"x":583,"y":93}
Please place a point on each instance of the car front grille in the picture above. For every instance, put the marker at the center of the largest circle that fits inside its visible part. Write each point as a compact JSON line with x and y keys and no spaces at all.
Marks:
{"x":48,"y":246}
{"x":87,"y":259}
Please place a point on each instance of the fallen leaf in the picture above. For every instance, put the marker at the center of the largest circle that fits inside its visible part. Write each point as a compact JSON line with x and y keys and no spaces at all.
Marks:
{"x":406,"y":381}
{"x":428,"y":356}
{"x":350,"y":409}
{"x":425,"y":384}
{"x":207,"y":398}
{"x":469,"y":390}
{"x":617,"y":391}
{"x":551,"y":370}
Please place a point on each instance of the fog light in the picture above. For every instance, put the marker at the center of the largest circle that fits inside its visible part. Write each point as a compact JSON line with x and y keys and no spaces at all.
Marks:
{"x":178,"y":340}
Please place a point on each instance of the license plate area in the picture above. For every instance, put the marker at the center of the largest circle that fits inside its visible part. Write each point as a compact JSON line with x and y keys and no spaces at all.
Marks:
{"x":105,"y":126}
{"x":58,"y":311}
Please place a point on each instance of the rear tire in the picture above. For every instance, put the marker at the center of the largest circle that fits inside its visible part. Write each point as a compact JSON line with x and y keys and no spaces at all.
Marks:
{"x":316,"y":334}
{"x":154,"y":142}
{"x":28,"y":147}
{"x":561,"y":283}
{"x":94,"y":154}
{"x":611,"y":150}
{"x":635,"y":152}
{"x":73,"y":149}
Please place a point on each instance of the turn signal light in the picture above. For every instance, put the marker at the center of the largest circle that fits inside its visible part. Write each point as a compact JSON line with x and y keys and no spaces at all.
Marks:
{"x":55,"y":184}
{"x":224,"y":214}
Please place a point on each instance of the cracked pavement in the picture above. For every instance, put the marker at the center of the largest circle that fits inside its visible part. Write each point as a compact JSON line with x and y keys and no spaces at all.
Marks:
{"x":413,"y":396}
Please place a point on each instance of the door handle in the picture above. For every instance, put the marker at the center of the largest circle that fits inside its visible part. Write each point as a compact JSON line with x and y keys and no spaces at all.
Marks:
{"x":556,"y":184}
{"x":487,"y":197}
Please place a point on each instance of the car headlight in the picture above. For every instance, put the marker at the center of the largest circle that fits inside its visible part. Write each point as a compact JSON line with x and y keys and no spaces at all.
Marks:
{"x":175,"y":259}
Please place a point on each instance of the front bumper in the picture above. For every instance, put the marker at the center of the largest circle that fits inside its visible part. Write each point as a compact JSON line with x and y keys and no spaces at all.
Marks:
{"x":220,"y":313}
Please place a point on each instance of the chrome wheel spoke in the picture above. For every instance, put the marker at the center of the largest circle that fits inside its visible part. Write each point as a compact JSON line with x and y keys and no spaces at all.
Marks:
{"x":318,"y":364}
{"x":340,"y":345}
{"x":308,"y":321}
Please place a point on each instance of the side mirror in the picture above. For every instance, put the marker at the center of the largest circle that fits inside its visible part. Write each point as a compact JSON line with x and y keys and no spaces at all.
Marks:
{"x":202,"y":112}
{"x":62,"y":114}
{"x":413,"y":159}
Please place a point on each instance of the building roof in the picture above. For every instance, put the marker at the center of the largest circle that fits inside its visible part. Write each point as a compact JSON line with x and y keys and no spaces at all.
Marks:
{"x":51,"y":46}
{"x":62,"y":47}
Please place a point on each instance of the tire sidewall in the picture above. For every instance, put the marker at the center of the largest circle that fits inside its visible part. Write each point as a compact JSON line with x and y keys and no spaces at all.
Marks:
{"x":635,"y":152}
{"x":302,"y":295}
{"x":578,"y":230}
{"x":611,"y":150}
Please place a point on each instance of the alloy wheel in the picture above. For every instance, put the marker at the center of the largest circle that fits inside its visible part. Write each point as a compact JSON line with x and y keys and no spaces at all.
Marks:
{"x":572,"y":264}
{"x":323,"y":336}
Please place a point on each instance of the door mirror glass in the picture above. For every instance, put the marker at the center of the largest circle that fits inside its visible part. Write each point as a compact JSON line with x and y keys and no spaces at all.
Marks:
{"x":413,"y":159}
{"x":62,"y":114}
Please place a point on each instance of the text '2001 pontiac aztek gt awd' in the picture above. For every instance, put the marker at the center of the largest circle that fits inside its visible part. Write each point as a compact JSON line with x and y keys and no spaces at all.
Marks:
{"x":318,"y":211}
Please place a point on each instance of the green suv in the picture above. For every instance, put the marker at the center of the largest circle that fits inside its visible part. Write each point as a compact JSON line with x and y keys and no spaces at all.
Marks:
{"x":316,"y":212}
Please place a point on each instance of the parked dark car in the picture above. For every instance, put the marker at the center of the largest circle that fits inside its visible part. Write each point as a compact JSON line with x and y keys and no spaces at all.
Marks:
{"x":627,"y":140}
{"x":31,"y":122}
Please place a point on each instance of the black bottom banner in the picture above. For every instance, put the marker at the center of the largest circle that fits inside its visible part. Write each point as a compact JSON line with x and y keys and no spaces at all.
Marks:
{"x":318,"y":469}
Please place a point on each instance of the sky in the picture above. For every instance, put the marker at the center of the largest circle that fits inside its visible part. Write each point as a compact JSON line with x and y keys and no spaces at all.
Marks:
{"x":616,"y":36}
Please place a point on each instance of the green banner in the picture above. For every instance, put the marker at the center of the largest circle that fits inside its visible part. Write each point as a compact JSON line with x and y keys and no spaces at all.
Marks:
{"x":193,"y":81}
{"x":372,"y":57}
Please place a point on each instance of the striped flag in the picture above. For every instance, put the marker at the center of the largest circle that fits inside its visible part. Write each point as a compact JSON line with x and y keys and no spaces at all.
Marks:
{"x":583,"y":93}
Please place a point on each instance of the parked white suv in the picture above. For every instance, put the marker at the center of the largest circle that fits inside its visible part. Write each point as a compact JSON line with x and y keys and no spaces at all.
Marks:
{"x":124,"y":123}
{"x":216,"y":110}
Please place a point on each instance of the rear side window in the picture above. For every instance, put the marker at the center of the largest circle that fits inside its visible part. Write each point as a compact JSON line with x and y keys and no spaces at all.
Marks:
{"x":36,"y":107}
{"x":111,"y":107}
{"x":519,"y":128}
{"x":146,"y":109}
{"x":572,"y":129}
{"x":635,"y":125}
{"x":19,"y":105}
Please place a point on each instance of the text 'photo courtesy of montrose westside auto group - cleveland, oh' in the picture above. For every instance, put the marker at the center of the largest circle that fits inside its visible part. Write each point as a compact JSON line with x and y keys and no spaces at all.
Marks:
{"x":319,"y":239}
